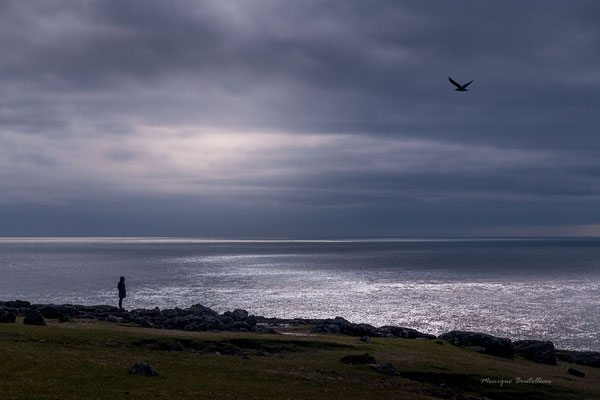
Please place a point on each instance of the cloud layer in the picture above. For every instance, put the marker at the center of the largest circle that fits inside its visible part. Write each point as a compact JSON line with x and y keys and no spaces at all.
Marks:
{"x":310,"y":118}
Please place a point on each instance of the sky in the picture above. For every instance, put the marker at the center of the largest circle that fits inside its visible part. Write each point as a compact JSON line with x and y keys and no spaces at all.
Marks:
{"x":311,"y":118}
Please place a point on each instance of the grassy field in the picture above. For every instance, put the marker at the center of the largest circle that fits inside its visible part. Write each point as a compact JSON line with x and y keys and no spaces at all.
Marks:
{"x":85,"y":359}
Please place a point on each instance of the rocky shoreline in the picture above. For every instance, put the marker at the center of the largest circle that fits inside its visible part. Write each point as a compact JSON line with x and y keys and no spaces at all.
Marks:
{"x":200,"y":318}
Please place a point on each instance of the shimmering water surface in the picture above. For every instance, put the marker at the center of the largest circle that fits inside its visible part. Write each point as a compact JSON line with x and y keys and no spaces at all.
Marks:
{"x":519,"y":288}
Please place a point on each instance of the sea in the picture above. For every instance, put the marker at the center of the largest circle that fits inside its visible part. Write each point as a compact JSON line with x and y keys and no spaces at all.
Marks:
{"x":521,"y":288}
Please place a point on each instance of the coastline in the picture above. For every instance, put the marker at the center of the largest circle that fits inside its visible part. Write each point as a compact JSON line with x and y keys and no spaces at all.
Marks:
{"x":199,"y":318}
{"x":101,"y":351}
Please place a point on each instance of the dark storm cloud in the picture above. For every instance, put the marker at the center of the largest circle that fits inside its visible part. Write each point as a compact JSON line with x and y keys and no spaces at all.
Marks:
{"x":318,"y":114}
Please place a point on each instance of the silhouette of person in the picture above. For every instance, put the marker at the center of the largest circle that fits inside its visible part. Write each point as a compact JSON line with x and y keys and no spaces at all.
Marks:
{"x":122,"y":292}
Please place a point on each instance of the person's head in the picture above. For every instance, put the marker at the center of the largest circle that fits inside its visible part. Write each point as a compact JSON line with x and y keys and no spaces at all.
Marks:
{"x":122,"y":279}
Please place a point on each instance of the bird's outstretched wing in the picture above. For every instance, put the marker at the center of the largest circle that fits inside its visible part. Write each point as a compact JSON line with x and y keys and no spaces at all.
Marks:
{"x":467,"y":84}
{"x":454,"y":83}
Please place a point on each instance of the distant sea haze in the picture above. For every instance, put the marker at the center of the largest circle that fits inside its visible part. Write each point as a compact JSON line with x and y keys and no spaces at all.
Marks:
{"x":513,"y":287}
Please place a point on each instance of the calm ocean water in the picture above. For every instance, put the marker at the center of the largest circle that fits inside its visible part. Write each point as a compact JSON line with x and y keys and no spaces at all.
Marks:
{"x":519,"y":288}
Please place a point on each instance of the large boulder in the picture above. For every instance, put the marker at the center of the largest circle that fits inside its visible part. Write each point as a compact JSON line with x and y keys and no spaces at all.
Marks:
{"x":64,"y":318}
{"x":589,"y":358}
{"x":386,"y":369}
{"x":251,"y":320}
{"x":405,"y":333}
{"x":34,"y":319}
{"x":341,"y":325}
{"x":174,"y":312}
{"x":237,"y":314}
{"x":199,"y":309}
{"x":332,"y":325}
{"x":205,"y":323}
{"x":56,"y":311}
{"x":488,"y":344}
{"x":143,"y":369}
{"x":7,"y":317}
{"x":536,"y":350}
{"x":17,"y":304}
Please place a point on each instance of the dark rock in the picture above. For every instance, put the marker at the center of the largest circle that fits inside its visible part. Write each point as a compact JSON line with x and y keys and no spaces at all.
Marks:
{"x":34,"y":319}
{"x":7,"y":317}
{"x":493,"y":345}
{"x":146,"y":324}
{"x":439,"y":342}
{"x":358,"y":359}
{"x":576,"y":372}
{"x":341,"y":325}
{"x":237,"y":314}
{"x":536,"y":350}
{"x":328,"y":328}
{"x":478,"y":349}
{"x":55,"y":311}
{"x":366,"y":339}
{"x":361,"y":330}
{"x":199,"y":309}
{"x":386,"y":369}
{"x":143,"y":369}
{"x":251,"y":321}
{"x":141,"y":312}
{"x":174,"y":312}
{"x":17,"y":304}
{"x":241,"y":326}
{"x":121,"y":314}
{"x":588,"y":358}
{"x":64,"y":318}
{"x":100,"y":309}
{"x":405,"y":333}
{"x":331,"y":325}
{"x":208,"y":323}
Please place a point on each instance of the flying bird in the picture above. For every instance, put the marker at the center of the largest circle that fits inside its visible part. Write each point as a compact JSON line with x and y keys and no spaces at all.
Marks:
{"x":459,"y":87}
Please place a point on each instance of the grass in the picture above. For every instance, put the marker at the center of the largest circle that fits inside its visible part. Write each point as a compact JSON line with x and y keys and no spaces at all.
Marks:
{"x":85,"y":359}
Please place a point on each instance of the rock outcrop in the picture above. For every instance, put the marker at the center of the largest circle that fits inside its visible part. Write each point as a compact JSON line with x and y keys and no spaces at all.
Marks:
{"x":588,"y":358}
{"x":405,"y":333}
{"x":194,"y":318}
{"x":484,"y":343}
{"x":34,"y":319}
{"x":343,"y":326}
{"x":143,"y":369}
{"x":7,"y":317}
{"x":536,"y":350}
{"x":16,"y":304}
{"x":202,"y":318}
{"x":386,"y":369}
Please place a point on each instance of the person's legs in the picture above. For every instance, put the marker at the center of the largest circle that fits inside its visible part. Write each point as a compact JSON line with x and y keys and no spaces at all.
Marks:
{"x":121,"y":303}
